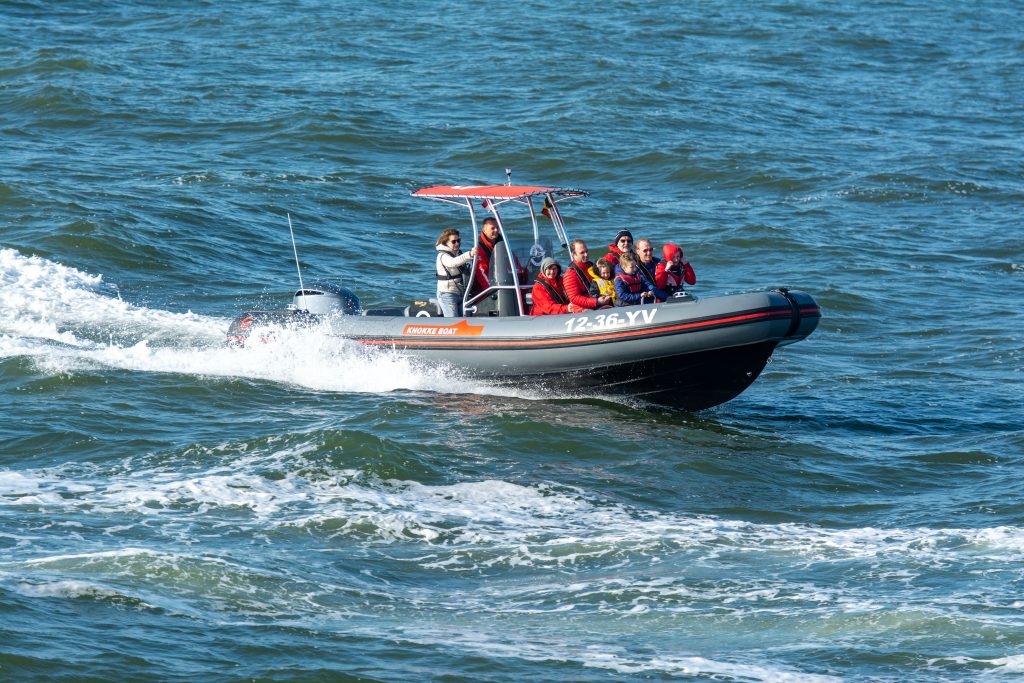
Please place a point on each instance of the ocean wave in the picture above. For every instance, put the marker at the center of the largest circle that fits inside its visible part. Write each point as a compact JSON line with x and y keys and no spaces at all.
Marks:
{"x":475,"y":524}
{"x":77,"y":590}
{"x":179,"y":583}
{"x":618,"y":568}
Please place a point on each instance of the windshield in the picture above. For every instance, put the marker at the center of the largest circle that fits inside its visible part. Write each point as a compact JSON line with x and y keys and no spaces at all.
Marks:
{"x":527,"y":255}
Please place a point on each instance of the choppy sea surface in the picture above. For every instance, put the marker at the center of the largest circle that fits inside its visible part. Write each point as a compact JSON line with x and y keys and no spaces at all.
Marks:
{"x":172,"y":510}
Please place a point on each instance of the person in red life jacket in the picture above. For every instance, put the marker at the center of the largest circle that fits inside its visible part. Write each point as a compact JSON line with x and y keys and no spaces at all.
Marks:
{"x":549,"y":296}
{"x":622,"y":244}
{"x":490,"y":237}
{"x":647,"y":265}
{"x":577,"y":279}
{"x":674,"y":270}
{"x":630,"y":287}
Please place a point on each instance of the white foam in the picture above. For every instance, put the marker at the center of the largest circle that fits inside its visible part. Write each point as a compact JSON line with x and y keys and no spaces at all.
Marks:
{"x":476,"y":525}
{"x":19,"y":489}
{"x":1012,"y":664}
{"x":201,"y":493}
{"x":999,"y":667}
{"x":307,"y":358}
{"x":701,"y":666}
{"x":512,"y":523}
{"x":612,"y":658}
{"x":57,"y":316}
{"x":130,"y":552}
{"x":40,"y":299}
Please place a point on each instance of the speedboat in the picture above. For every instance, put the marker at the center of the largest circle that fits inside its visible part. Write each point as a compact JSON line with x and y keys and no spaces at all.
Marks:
{"x":688,"y":352}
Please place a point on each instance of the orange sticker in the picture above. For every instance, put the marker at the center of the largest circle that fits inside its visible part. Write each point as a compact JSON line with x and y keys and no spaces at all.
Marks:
{"x":460,"y":329}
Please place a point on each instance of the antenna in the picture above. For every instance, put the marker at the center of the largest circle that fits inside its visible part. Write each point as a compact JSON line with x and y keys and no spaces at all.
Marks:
{"x":508,"y":175}
{"x":302,"y":287}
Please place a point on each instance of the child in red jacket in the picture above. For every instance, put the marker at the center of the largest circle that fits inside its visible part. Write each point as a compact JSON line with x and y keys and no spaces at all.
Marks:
{"x":674,"y":270}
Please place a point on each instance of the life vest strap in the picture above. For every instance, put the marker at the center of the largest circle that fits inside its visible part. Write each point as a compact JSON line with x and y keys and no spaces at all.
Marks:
{"x":448,"y":272}
{"x":555,"y":294}
{"x":584,"y":280}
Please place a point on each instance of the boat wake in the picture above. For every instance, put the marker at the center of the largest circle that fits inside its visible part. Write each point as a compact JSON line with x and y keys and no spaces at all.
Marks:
{"x":68,"y":322}
{"x":672,"y":574}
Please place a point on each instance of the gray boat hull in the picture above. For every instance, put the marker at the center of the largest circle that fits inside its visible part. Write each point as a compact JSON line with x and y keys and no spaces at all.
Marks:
{"x":689,"y":353}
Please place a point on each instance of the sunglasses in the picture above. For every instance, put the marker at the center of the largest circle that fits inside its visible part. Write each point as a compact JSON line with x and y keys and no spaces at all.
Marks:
{"x":456,"y":240}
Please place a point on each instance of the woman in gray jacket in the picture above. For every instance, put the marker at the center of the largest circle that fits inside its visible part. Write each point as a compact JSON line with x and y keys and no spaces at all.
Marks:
{"x":452,"y":269}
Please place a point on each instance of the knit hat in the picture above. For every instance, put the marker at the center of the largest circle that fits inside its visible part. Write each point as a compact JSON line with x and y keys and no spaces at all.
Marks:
{"x":547,"y":263}
{"x":620,"y":234}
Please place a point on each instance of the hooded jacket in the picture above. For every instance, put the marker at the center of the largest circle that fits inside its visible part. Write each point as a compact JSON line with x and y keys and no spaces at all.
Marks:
{"x":671,"y":279}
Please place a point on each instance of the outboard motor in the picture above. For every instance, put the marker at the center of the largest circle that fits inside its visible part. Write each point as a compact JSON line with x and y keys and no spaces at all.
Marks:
{"x":325,"y":298}
{"x":308,"y":305}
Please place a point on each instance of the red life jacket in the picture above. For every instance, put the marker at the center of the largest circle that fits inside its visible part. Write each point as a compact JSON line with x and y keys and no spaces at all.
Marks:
{"x":557,"y":294}
{"x":632,"y":282}
{"x":673,"y":279}
{"x":549,"y":297}
{"x":582,"y":274}
{"x":576,"y":283}
{"x":666,"y":277}
{"x":481,"y":278}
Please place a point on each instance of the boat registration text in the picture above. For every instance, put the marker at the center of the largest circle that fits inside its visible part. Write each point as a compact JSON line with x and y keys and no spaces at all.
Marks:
{"x":641,"y":316}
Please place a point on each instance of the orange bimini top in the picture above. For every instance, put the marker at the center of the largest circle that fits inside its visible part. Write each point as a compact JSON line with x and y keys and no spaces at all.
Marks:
{"x":494,"y":191}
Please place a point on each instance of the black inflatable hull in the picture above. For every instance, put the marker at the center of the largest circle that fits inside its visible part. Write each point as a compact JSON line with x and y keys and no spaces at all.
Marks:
{"x":692,"y":381}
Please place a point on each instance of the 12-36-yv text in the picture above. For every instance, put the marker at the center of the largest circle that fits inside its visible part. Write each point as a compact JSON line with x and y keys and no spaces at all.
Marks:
{"x":603,"y":321}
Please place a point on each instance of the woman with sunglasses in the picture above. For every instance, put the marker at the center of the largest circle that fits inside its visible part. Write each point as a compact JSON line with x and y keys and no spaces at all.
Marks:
{"x":452,"y":269}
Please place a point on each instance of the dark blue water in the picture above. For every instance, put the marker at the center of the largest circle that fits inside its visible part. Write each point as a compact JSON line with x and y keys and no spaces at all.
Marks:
{"x":310,"y":511}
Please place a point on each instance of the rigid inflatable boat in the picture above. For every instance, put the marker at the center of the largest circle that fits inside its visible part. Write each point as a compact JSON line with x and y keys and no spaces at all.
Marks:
{"x":687,"y":352}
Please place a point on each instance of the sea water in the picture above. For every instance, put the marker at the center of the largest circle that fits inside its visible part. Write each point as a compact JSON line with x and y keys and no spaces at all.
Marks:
{"x":310,"y":510}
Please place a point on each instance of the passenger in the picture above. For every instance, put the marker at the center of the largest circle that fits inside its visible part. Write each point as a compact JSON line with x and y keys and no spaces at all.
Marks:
{"x":548,"y":294}
{"x":674,"y":270}
{"x":577,"y":280}
{"x":602,"y":280}
{"x":622,"y":244}
{"x":647,"y":266}
{"x":630,"y":287}
{"x":490,"y":236}
{"x":452,"y":269}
